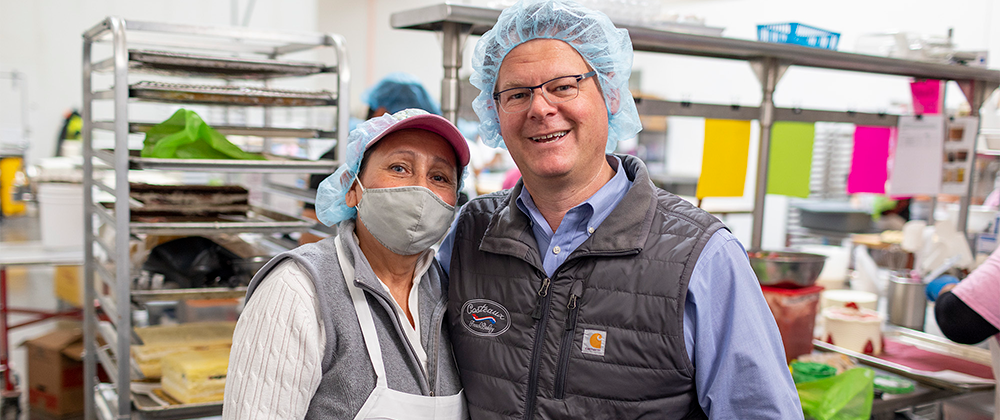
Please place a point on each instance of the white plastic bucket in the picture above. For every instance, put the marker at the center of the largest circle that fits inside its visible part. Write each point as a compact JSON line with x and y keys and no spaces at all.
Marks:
{"x":60,"y":207}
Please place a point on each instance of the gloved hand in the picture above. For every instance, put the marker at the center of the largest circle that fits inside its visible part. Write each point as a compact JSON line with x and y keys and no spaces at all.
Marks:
{"x":934,"y":288}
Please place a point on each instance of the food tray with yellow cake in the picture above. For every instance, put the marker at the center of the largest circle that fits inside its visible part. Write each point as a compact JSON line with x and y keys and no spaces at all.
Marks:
{"x":151,"y":401}
{"x":193,"y":384}
{"x":161,"y":341}
{"x":927,"y":359}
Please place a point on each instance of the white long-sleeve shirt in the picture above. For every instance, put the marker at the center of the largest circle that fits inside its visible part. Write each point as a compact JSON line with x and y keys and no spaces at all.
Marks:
{"x":275,"y":365}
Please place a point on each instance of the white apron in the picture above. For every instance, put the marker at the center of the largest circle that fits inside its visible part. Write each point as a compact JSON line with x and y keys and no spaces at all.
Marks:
{"x":385,"y":403}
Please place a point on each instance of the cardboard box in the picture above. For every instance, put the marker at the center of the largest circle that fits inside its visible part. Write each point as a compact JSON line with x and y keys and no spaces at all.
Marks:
{"x":55,"y":373}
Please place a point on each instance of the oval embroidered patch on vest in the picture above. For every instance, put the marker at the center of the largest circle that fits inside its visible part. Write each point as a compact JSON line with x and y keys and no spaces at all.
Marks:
{"x":485,"y":317}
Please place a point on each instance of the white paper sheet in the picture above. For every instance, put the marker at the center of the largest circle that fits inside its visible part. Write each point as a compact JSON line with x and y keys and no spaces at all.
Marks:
{"x":917,"y":162}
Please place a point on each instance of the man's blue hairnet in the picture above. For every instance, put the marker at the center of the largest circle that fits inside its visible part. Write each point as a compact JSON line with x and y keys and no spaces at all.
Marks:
{"x":398,"y":91}
{"x":607,"y":49}
{"x":331,"y":207}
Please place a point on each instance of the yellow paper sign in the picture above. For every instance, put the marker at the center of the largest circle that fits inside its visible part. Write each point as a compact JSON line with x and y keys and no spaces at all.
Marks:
{"x":724,"y":159}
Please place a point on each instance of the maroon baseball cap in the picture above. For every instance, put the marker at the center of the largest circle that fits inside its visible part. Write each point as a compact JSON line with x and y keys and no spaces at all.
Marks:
{"x":419,"y":119}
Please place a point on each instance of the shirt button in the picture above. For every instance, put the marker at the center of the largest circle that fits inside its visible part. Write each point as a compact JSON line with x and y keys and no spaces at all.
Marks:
{"x":590,"y":229}
{"x":555,"y":249}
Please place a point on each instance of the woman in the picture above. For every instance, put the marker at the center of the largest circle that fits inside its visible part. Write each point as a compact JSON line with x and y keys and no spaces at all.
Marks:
{"x":351,"y":326}
{"x":968,"y":312}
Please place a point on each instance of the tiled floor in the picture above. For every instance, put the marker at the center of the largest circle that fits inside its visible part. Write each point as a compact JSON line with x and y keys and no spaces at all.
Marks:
{"x":28,"y":287}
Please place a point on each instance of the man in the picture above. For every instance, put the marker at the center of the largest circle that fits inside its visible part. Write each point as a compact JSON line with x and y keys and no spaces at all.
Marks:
{"x":584,"y":291}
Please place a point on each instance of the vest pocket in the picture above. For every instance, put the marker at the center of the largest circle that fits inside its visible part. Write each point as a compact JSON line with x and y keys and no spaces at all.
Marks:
{"x":567,"y":342}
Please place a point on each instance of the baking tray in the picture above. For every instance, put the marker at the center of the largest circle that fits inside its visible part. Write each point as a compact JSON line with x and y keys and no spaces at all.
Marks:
{"x":258,"y":220}
{"x":926,"y":342}
{"x":273,"y":164}
{"x":202,"y":65}
{"x":151,"y":402}
{"x":222,"y":95}
{"x":233,"y":130}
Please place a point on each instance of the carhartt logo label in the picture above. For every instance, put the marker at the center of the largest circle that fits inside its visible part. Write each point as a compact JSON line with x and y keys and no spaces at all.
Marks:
{"x":594,"y":341}
{"x":485,"y":317}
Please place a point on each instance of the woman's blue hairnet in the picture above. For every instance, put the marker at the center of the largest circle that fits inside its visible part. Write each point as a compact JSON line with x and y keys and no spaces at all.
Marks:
{"x":331,"y":207}
{"x":607,"y":49}
{"x":398,"y":91}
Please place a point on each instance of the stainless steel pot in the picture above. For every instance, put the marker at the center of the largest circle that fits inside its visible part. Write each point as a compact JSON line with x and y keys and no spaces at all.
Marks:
{"x":907,"y":302}
{"x":786,"y":268}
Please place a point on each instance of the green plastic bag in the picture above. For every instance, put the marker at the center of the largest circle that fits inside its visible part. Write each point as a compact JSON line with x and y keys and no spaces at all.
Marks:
{"x":186,"y":136}
{"x":847,"y":396}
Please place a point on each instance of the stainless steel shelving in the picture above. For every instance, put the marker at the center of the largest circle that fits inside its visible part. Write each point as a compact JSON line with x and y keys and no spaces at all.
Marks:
{"x":769,"y":62}
{"x":149,"y":49}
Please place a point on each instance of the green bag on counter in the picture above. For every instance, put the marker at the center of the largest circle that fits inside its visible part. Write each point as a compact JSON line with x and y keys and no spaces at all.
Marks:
{"x":847,"y":396}
{"x":186,"y":136}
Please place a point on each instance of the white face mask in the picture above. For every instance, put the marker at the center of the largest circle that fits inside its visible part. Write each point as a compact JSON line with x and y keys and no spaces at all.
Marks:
{"x":406,"y":220}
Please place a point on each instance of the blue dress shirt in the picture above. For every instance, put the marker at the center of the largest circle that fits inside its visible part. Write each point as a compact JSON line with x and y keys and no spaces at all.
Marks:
{"x":729,"y":332}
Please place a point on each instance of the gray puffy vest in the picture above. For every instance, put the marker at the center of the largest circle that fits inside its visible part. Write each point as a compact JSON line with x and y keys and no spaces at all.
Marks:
{"x":603,"y":337}
{"x":348,"y":376}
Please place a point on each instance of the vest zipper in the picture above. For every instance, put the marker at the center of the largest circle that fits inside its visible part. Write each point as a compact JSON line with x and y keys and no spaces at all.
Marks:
{"x":541,"y":316}
{"x":543,"y":291}
{"x":576,"y":290}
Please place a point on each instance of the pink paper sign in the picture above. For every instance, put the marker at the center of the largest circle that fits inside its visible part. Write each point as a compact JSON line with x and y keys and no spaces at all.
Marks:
{"x":926,"y":96}
{"x":868,"y":163}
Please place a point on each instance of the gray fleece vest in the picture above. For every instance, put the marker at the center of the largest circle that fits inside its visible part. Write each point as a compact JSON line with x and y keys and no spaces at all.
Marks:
{"x":348,"y":376}
{"x":603,"y":337}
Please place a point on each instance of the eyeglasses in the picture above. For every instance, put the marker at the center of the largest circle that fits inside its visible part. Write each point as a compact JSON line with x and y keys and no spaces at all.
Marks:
{"x":555,"y":91}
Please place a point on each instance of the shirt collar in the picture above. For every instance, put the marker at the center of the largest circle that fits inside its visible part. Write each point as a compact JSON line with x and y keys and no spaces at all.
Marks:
{"x":601,"y":204}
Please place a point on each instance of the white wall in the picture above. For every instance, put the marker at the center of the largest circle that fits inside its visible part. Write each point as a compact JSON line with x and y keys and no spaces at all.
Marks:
{"x":42,"y":38}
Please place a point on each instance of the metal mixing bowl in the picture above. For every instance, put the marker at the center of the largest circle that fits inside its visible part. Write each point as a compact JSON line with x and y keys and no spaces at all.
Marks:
{"x":786,"y":268}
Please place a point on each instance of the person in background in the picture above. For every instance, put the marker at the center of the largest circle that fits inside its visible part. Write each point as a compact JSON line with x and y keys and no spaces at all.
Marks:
{"x":352,"y":326}
{"x":395,"y":92}
{"x":968,"y":312}
{"x":585,"y":291}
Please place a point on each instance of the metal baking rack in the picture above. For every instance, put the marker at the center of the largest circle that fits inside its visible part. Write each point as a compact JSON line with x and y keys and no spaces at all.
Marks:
{"x":172,"y":63}
{"x":256,"y":60}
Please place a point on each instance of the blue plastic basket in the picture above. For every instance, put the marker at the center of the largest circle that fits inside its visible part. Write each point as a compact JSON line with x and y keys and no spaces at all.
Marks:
{"x":798,"y":34}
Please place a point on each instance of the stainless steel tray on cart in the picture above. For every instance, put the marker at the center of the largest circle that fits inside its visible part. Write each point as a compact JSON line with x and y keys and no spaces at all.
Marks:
{"x":927,"y":342}
{"x":203,"y":65}
{"x":232,"y":130}
{"x":222,"y":95}
{"x":150,"y":401}
{"x":153,"y":408}
{"x":273,"y":164}
{"x":258,"y":220}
